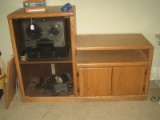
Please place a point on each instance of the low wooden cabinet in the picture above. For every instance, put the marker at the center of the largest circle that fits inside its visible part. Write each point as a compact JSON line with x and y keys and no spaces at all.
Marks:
{"x":113,"y":66}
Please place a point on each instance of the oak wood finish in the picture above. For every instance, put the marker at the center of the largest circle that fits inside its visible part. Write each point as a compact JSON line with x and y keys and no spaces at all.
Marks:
{"x":51,"y":11}
{"x":128,"y":80}
{"x":11,"y":82}
{"x":128,"y":55}
{"x":111,"y":58}
{"x":95,"y":81}
{"x":27,"y":70}
{"x":95,"y":63}
{"x":112,"y":42}
{"x":84,"y":99}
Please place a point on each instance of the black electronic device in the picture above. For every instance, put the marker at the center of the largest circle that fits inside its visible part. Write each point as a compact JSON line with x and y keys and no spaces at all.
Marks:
{"x":46,"y":38}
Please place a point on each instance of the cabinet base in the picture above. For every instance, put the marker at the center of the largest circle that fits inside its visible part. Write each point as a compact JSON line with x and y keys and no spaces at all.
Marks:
{"x":83,"y":99}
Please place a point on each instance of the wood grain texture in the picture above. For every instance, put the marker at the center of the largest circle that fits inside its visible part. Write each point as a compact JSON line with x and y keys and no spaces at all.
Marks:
{"x":84,"y":99}
{"x":15,"y":53}
{"x":51,"y":11}
{"x":112,"y":42}
{"x":128,"y":80}
{"x":111,"y":58}
{"x":11,"y":82}
{"x":130,"y":56}
{"x":110,"y":66}
{"x":95,"y":81}
{"x":73,"y":40}
{"x":27,"y":69}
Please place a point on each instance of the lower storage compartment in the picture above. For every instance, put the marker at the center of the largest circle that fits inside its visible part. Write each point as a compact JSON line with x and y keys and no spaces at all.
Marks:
{"x":40,"y":80}
{"x":112,"y":81}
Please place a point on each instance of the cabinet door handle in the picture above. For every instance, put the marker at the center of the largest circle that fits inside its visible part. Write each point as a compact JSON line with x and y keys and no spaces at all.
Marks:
{"x":77,"y":74}
{"x":143,"y":88}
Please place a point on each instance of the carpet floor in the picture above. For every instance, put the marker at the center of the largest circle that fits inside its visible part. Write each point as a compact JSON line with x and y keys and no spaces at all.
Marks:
{"x":108,"y":110}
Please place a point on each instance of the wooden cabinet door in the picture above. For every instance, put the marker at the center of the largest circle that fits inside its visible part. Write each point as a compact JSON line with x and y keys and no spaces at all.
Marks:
{"x":95,"y":81}
{"x":11,"y":82}
{"x":128,"y":80}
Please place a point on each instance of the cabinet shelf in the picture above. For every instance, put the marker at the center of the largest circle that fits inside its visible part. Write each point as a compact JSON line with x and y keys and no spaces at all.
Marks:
{"x":44,"y":62}
{"x":111,"y":58}
{"x":40,"y":93}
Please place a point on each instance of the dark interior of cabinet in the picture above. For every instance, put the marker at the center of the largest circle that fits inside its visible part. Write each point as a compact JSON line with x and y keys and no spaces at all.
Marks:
{"x":32,"y":73}
{"x":38,"y":71}
{"x":18,"y":33}
{"x":21,"y":42}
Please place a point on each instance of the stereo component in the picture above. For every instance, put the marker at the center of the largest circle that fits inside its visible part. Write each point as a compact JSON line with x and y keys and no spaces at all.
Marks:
{"x":46,"y":38}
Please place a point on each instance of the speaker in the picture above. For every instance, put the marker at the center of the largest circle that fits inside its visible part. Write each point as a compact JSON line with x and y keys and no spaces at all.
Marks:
{"x":46,"y":38}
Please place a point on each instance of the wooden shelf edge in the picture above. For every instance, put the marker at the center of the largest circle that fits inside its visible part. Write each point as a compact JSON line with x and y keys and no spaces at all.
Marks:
{"x":115,"y":48}
{"x":112,"y":42}
{"x":44,"y":62}
{"x":51,"y":11}
{"x":112,"y":64}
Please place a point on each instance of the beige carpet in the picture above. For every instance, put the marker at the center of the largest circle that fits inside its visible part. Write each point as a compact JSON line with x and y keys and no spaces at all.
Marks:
{"x":116,"y":110}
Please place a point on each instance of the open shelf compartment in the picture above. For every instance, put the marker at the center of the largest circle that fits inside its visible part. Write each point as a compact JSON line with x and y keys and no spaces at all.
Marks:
{"x":39,"y":79}
{"x":111,"y":58}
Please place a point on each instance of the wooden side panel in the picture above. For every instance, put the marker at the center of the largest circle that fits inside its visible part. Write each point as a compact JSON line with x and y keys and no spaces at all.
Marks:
{"x":128,"y":80}
{"x":73,"y":42}
{"x":95,"y":81}
{"x":11,"y":82}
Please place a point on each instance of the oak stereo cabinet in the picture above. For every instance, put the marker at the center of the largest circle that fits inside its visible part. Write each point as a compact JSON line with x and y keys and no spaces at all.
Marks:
{"x":101,"y":67}
{"x":52,"y":30}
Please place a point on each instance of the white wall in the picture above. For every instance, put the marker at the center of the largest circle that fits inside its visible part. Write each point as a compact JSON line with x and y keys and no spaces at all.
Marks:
{"x":98,"y":16}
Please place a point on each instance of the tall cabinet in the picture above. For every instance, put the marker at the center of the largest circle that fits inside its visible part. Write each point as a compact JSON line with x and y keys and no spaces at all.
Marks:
{"x":29,"y":71}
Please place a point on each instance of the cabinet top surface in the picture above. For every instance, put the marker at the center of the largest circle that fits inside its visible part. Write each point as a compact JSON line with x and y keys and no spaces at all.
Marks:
{"x":51,"y":11}
{"x":112,"y":42}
